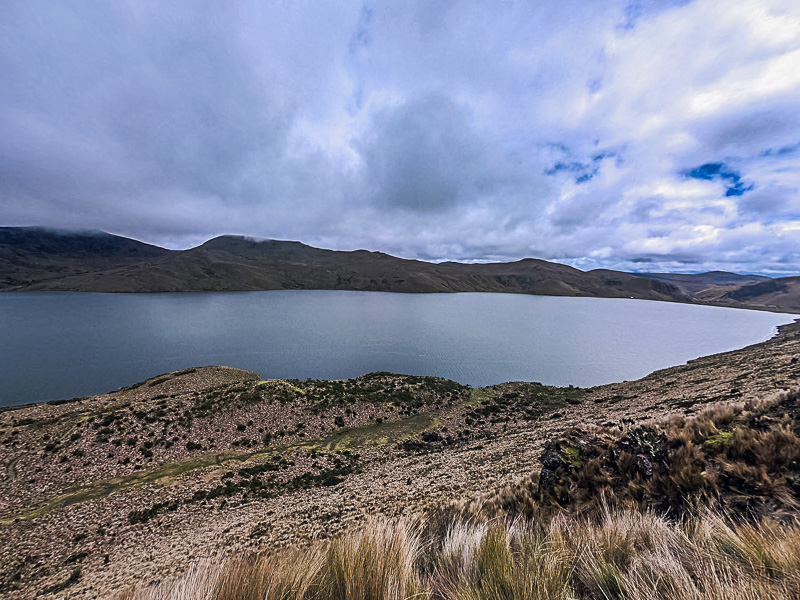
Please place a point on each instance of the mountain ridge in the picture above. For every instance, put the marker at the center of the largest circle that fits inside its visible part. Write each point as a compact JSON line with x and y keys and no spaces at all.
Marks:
{"x":39,"y":259}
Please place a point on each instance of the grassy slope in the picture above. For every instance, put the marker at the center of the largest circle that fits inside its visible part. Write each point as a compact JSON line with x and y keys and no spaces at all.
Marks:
{"x":714,"y":541}
{"x":628,"y":555}
{"x":379,"y":444}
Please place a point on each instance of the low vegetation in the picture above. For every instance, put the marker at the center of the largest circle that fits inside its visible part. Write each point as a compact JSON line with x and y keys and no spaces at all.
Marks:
{"x":682,"y":509}
{"x":528,"y":401}
{"x":263,"y":480}
{"x":742,"y":458}
{"x":407,"y":393}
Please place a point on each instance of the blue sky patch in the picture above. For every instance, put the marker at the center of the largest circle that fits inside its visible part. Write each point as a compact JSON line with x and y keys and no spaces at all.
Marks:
{"x":583,"y":172}
{"x":734,"y":186}
{"x":738,"y":189}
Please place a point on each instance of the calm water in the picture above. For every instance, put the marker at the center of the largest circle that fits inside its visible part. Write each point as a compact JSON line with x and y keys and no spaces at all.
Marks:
{"x":60,"y":345}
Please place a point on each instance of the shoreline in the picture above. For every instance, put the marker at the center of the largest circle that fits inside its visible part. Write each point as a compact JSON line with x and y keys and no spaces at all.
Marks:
{"x":693,"y":302}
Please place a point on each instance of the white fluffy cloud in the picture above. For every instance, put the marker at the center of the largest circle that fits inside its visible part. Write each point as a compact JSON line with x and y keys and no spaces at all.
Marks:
{"x":634,"y":135}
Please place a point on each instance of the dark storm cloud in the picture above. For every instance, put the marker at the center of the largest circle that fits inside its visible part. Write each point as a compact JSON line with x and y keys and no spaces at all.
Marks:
{"x":747,"y":128}
{"x":125,"y":107}
{"x":424,"y":156}
{"x":787,"y":150}
{"x":770,"y":204}
{"x":156,"y":121}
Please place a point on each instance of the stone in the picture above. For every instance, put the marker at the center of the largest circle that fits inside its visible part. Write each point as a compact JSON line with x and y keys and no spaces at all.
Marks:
{"x":644,"y":466}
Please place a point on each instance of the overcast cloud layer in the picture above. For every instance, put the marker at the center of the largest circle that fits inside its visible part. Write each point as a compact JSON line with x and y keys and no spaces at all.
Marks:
{"x":638,"y":135}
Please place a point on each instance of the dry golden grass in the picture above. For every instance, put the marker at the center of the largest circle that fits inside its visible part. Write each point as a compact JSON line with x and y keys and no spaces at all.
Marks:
{"x":619,"y":554}
{"x":375,"y":563}
{"x":741,"y":458}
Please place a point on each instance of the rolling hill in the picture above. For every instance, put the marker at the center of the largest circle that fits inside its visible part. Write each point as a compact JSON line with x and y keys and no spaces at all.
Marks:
{"x":37,"y":259}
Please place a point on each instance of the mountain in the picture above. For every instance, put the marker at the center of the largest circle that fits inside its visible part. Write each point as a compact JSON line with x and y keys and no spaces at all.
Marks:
{"x":730,"y":289}
{"x":773,"y":293}
{"x":40,"y":241}
{"x":36,"y":256}
{"x":37,"y":259}
{"x":699,"y":283}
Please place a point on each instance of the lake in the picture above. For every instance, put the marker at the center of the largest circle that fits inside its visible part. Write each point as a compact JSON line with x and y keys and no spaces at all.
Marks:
{"x":60,"y":345}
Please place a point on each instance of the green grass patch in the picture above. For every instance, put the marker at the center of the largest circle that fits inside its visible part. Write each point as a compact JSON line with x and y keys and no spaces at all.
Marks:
{"x":718,"y":442}
{"x":572,"y":456}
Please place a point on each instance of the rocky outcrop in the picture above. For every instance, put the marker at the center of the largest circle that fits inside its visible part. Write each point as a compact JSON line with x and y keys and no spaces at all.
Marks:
{"x":744,"y":458}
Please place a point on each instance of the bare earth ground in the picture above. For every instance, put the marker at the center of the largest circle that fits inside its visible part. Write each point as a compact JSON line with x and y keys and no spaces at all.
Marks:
{"x":133,"y":486}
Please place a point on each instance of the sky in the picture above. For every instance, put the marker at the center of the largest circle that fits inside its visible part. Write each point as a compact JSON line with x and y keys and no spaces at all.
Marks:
{"x":636,"y":135}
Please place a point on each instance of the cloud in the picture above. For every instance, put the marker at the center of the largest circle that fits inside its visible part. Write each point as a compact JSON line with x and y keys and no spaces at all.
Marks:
{"x":423,"y":155}
{"x":659,"y":135}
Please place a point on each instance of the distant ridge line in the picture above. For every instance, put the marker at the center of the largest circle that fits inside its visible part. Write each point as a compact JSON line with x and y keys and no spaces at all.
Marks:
{"x":42,"y":259}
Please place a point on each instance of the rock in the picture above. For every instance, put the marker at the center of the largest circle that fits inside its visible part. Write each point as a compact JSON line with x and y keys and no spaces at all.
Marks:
{"x":647,"y":441}
{"x":549,"y":477}
{"x":431,"y":436}
{"x":551,"y":459}
{"x":644,"y":466}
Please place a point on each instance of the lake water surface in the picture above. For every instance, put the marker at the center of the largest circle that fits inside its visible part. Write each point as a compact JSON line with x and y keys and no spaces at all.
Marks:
{"x":60,"y":345}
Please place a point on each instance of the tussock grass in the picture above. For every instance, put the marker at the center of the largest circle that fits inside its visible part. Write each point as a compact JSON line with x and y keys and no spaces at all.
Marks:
{"x":619,"y":554}
{"x":741,"y":458}
{"x":372,"y":564}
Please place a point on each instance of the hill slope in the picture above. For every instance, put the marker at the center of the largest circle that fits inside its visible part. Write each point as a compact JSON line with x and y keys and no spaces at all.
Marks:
{"x":694,"y":284}
{"x":133,"y":486}
{"x":37,"y":256}
{"x":36,"y":259}
{"x":233,"y":263}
